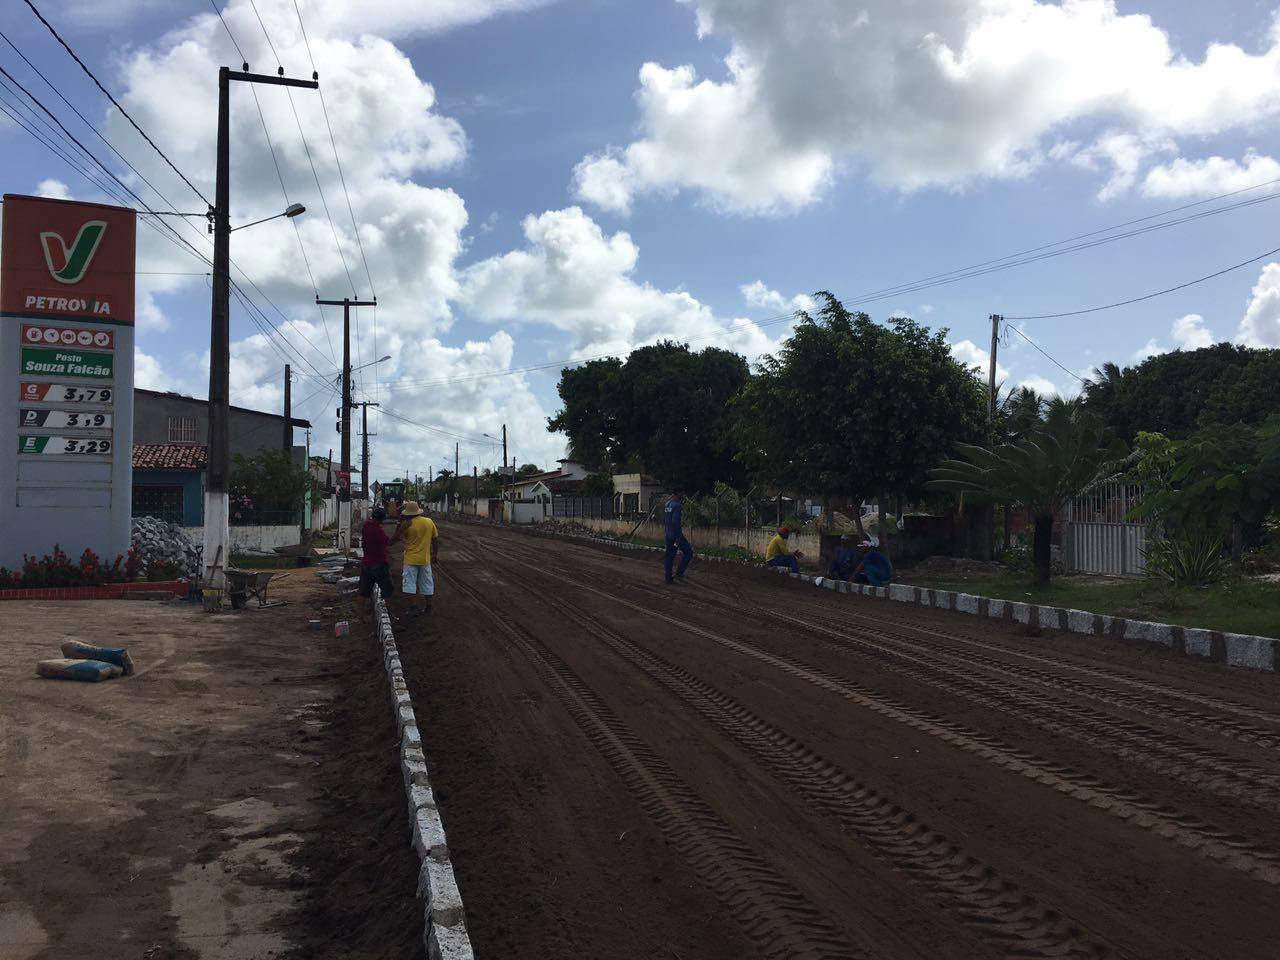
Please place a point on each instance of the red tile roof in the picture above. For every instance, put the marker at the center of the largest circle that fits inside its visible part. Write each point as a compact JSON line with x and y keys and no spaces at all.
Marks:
{"x":169,"y":456}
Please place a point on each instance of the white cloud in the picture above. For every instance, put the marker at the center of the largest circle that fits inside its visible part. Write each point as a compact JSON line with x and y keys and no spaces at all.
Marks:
{"x":1040,"y":385}
{"x":972,"y":355}
{"x":573,"y":277}
{"x":932,"y":93}
{"x":1123,"y":154}
{"x":1209,"y":177}
{"x":1190,"y":333}
{"x":926,"y":308}
{"x":757,"y":294}
{"x":1260,"y":326}
{"x":149,"y":374}
{"x":54,"y":189}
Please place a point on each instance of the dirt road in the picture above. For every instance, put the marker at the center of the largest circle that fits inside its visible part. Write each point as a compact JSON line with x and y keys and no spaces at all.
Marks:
{"x":237,"y":799}
{"x":745,"y":766}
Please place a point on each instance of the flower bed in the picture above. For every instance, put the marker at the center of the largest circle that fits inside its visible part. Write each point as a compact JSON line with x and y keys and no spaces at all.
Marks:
{"x":56,"y":571}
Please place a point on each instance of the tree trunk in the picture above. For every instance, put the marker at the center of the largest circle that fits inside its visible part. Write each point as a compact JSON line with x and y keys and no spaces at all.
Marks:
{"x":1041,"y":549}
{"x":882,"y":528}
{"x":1008,"y":520}
{"x":857,"y":521}
{"x":826,"y":512}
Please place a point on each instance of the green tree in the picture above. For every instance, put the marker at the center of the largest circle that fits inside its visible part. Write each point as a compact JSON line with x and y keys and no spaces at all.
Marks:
{"x":1066,"y":455}
{"x":1176,"y":393}
{"x":852,"y":408}
{"x":269,"y":480}
{"x":664,"y":410}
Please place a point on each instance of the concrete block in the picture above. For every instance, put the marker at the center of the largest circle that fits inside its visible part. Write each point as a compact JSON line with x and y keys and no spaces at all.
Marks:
{"x":428,"y":833}
{"x":439,"y":892}
{"x":1021,"y":612}
{"x":943,"y":599}
{"x":415,"y":772}
{"x":420,"y":796}
{"x":1049,"y":618}
{"x":448,"y":943}
{"x":902,"y":593}
{"x":410,"y":738}
{"x":1160,"y":633}
{"x":401,"y":696}
{"x":881,"y":592}
{"x":966,"y":603}
{"x":1108,"y":626}
{"x":405,"y":718}
{"x":828,"y":583}
{"x":1253,"y":653}
{"x":1080,"y":621}
{"x":1198,"y":643}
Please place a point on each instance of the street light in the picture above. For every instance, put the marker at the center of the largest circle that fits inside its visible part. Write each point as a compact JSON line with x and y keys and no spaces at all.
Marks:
{"x":291,"y":211}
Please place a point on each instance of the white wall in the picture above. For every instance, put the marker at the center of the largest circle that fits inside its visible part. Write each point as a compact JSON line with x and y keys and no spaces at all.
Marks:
{"x":253,"y":539}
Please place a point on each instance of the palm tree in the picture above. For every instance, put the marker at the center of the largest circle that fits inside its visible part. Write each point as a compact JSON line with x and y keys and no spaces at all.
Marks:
{"x":1062,"y":457}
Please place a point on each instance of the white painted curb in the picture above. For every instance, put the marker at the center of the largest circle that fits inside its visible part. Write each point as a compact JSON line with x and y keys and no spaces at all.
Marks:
{"x":1233,"y":649}
{"x":445,"y":926}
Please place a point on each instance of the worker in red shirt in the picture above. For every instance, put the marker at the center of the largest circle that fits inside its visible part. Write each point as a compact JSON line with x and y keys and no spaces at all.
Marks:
{"x":374,"y":568}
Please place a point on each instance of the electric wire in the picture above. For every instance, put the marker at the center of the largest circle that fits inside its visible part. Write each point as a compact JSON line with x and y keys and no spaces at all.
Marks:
{"x":123,"y":112}
{"x":243,"y":59}
{"x":1045,"y":353}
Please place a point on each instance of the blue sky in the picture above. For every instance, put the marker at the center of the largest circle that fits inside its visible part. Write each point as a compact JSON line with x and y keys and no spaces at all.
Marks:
{"x":524,"y":193}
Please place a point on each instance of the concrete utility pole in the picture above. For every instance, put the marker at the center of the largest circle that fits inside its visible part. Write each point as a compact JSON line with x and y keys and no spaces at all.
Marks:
{"x":513,"y":476}
{"x":364,"y":453}
{"x":288,"y":410}
{"x":996,"y":320}
{"x":217,"y":533}
{"x":344,"y":494}
{"x":456,"y":468}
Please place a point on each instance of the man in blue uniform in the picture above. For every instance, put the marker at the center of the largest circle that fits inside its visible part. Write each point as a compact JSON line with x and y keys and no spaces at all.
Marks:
{"x":873,"y":567}
{"x":845,"y":560}
{"x":673,"y":532}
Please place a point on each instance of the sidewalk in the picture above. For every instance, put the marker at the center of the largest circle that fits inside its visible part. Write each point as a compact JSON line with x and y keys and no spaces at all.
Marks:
{"x":158,"y":816}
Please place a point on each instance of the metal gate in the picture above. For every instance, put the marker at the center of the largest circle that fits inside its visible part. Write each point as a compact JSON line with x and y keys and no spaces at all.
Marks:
{"x":1096,"y":537}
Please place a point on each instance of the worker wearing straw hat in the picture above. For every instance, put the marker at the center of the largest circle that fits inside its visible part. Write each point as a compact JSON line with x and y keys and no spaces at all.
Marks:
{"x":421,"y":547}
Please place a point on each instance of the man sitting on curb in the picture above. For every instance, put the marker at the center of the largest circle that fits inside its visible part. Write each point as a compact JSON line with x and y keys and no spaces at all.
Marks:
{"x":873,"y":568}
{"x":673,"y":533}
{"x":776,"y":555}
{"x":845,"y":560}
{"x":420,"y":538}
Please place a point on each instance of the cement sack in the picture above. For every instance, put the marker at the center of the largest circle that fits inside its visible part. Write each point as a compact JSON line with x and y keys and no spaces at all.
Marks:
{"x":90,"y":671}
{"x":85,"y":651}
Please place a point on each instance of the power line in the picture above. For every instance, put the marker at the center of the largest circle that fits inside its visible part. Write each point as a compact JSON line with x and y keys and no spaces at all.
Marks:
{"x":436,"y":430}
{"x":243,"y":59}
{"x":279,"y":65}
{"x":123,"y":112}
{"x":1044,"y":353}
{"x":1150,"y":296}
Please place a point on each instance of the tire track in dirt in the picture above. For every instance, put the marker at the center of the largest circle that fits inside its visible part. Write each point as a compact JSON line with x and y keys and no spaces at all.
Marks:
{"x":983,"y":901}
{"x":1208,"y":770}
{"x":1216,"y":844}
{"x":771,"y":911}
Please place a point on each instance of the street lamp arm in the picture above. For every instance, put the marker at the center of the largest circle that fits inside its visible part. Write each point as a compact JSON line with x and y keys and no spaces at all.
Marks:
{"x":293,"y":210}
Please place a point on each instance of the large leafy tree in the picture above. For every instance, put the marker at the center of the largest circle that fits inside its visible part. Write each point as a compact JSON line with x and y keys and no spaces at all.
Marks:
{"x":1176,"y":393}
{"x":849,"y":407}
{"x":1067,"y":454}
{"x":664,"y":409}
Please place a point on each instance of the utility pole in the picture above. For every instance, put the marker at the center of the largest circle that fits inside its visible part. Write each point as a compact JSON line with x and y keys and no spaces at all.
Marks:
{"x":504,"y":471}
{"x":455,"y":472}
{"x":475,"y":482}
{"x":364,"y":453}
{"x":217,"y":532}
{"x":996,"y":320}
{"x":344,"y":495}
{"x":288,"y":410}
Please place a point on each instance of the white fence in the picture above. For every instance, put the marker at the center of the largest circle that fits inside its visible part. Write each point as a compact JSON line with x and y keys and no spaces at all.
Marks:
{"x":1096,"y":537}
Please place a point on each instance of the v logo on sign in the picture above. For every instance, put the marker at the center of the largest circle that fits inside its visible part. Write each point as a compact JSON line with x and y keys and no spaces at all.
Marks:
{"x":69,"y":264}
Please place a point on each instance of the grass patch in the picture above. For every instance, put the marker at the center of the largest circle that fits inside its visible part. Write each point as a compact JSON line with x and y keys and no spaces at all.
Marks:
{"x":258,"y":561}
{"x":1237,"y":605}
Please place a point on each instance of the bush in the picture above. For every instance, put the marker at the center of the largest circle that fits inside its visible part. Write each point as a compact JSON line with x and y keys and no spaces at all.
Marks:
{"x":1186,"y":561}
{"x":56,"y":570}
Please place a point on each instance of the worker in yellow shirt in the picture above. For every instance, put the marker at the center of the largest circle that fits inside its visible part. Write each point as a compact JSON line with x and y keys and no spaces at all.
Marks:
{"x":421,"y":547}
{"x":777,"y":555}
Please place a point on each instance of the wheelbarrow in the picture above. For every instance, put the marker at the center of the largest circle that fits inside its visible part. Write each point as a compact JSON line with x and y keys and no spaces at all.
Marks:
{"x":244,"y":584}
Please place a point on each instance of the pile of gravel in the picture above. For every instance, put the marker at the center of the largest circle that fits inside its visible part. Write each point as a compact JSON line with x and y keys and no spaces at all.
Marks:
{"x":165,"y":541}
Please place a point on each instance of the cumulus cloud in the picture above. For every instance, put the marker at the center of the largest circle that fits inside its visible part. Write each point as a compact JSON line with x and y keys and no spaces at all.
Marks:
{"x":389,"y":131}
{"x":1040,"y":385}
{"x":933,"y":93}
{"x":1209,"y":177}
{"x":758,"y":294}
{"x":972,"y":355}
{"x":53,"y":189}
{"x":1122,"y":154}
{"x":149,"y":373}
{"x":1188,"y":332}
{"x":1260,"y":326}
{"x":572,"y":276}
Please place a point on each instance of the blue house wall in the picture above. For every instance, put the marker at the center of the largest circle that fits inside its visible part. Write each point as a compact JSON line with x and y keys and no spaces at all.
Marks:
{"x":192,"y":483}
